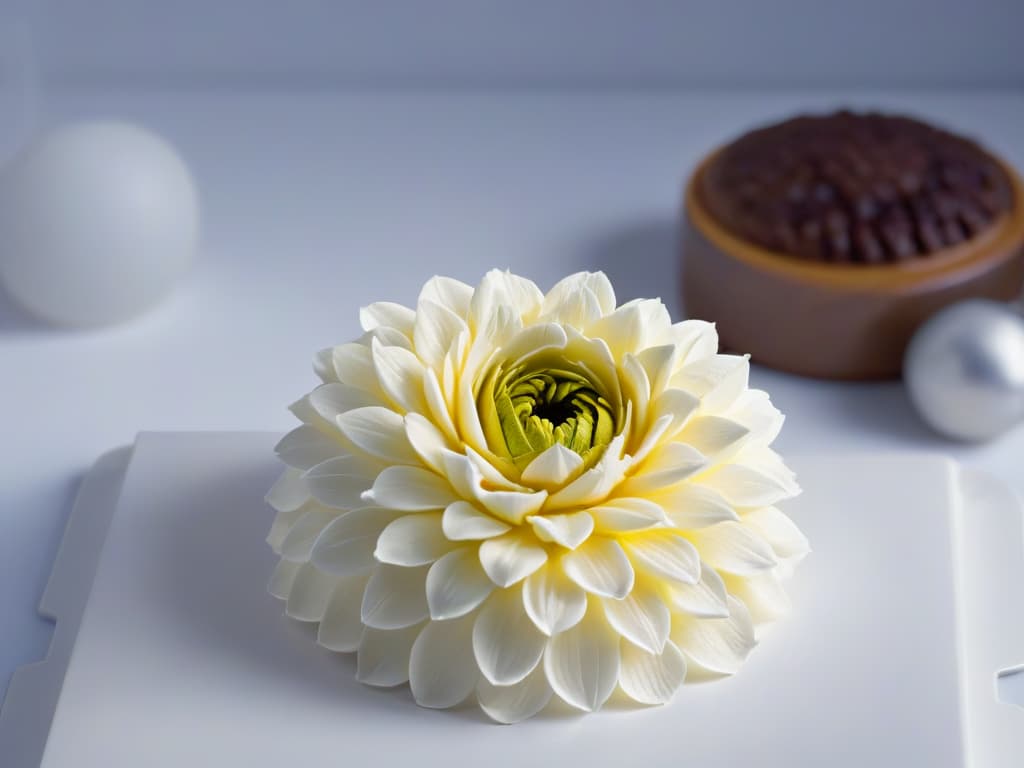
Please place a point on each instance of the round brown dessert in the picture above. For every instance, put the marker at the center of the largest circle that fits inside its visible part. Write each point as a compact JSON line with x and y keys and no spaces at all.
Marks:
{"x":819,"y":244}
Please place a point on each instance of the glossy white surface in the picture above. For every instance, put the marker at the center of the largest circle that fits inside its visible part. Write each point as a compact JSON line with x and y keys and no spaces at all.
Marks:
{"x":183,"y":659}
{"x":319,"y":202}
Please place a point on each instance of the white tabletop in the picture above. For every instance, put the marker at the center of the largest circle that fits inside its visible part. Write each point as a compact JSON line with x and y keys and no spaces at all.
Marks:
{"x":317,"y":202}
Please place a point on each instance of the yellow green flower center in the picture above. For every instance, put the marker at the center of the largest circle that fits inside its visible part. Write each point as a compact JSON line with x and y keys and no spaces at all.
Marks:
{"x":526,"y":410}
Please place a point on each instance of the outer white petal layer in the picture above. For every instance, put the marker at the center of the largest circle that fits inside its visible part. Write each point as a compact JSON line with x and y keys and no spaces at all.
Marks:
{"x":650,"y":678}
{"x":600,"y":567}
{"x":642,"y":618}
{"x":442,"y":671}
{"x":513,"y":703}
{"x":665,"y":554}
{"x":309,"y":594}
{"x":341,"y":627}
{"x":346,"y":545}
{"x":463,"y":521}
{"x":582,"y":663}
{"x":718,"y":645}
{"x":734,"y":548}
{"x":412,"y":540}
{"x":552,"y":601}
{"x":395,"y":597}
{"x":506,"y":643}
{"x":456,"y":584}
{"x":383,"y":655}
{"x":511,"y":558}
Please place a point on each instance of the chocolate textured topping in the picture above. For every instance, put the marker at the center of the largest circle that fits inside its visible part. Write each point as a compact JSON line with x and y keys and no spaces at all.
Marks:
{"x":856,"y":188}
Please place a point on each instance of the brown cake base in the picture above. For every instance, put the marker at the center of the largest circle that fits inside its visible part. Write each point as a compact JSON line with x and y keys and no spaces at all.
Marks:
{"x":833,"y":320}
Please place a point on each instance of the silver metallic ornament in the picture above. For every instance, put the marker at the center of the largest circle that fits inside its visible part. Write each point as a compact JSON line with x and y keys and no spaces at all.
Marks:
{"x":964,"y":370}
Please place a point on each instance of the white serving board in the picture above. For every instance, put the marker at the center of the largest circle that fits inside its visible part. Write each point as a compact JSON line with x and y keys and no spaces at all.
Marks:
{"x":905,"y":611}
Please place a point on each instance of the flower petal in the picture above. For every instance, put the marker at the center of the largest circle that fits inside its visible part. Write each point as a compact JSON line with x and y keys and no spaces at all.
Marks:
{"x":389,"y":337}
{"x":427,"y":440}
{"x":387,"y":314}
{"x":596,"y":483}
{"x":413,"y":489}
{"x":298,"y":544}
{"x":600,"y":566}
{"x":734,"y":548}
{"x":664,"y":467}
{"x":511,"y":558}
{"x":635,"y":387}
{"x":579,"y":300}
{"x":666,"y":554}
{"x":717,"y":380}
{"x":437,"y":328}
{"x":412,"y":540}
{"x":353,"y":365}
{"x":678,"y":405}
{"x":342,"y":627}
{"x":552,"y":601}
{"x":282,"y":578}
{"x":582,"y":663}
{"x":463,"y":522}
{"x":346,"y":545}
{"x":642,"y":618}
{"x":779,"y":531}
{"x":749,"y":486}
{"x":628,"y":514}
{"x":718,"y":645}
{"x":754,"y":410}
{"x":659,"y":363}
{"x":503,"y":289}
{"x":323,"y":365}
{"x":711,"y":434}
{"x":439,"y":408}
{"x":695,"y":339}
{"x":378,"y":432}
{"x":568,"y":530}
{"x":400,"y":374}
{"x":442,"y":672}
{"x":384,"y":655}
{"x":533,"y":339}
{"x":691,"y":506}
{"x":651,"y":678}
{"x":506,"y":643}
{"x":449,"y":293}
{"x":456,"y":584}
{"x":309,"y":594}
{"x":466,"y":474}
{"x":635,"y":325}
{"x":331,"y":400}
{"x":281,"y":527}
{"x":395,"y":597}
{"x":578,"y":311}
{"x":552,"y":467}
{"x":517,"y":702}
{"x":339,"y":482}
{"x":289,"y":492}
{"x":305,"y":447}
{"x":763,"y":595}
{"x":707,"y":599}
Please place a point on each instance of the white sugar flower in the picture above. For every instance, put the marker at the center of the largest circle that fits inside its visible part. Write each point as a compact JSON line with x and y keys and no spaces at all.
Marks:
{"x":511,"y":495}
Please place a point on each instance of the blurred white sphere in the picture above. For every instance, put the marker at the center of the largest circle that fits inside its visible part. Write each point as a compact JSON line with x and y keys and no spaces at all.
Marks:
{"x":98,"y":220}
{"x":964,"y":370}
